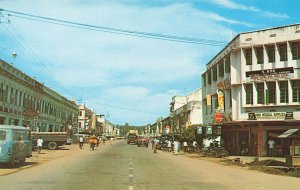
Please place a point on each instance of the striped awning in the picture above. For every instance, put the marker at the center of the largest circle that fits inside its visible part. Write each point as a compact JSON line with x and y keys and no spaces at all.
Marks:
{"x":288,"y":133}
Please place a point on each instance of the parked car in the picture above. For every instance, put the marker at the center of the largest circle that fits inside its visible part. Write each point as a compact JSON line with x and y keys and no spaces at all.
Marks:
{"x":141,"y":140}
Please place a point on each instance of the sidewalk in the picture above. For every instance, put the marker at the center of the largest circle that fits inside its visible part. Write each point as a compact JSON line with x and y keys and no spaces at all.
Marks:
{"x":48,"y":155}
{"x":249,"y":159}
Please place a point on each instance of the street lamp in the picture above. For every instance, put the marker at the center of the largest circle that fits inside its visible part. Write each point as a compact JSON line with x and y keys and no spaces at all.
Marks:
{"x":13,"y":53}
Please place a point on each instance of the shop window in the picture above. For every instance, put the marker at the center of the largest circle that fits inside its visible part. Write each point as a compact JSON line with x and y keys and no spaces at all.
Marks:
{"x":6,"y":94}
{"x":260,"y":93}
{"x":215,"y":74}
{"x":248,"y":56}
{"x":20,"y":98}
{"x":1,"y":92}
{"x":209,"y":77}
{"x":16,"y":97}
{"x":221,"y":69}
{"x":204,"y":79}
{"x":284,"y":91}
{"x":230,"y":99}
{"x":259,"y":55}
{"x":249,"y":93}
{"x":271,"y":93}
{"x":295,"y":48}
{"x":282,"y":48}
{"x":296,"y":90}
{"x":271,"y":53}
{"x":227,"y":65}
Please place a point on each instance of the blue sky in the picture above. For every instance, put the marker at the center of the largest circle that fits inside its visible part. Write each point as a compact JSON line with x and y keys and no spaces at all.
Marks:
{"x":129,"y":79}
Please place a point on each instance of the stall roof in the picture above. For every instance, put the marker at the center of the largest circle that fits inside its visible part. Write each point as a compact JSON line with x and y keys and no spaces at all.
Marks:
{"x":288,"y":133}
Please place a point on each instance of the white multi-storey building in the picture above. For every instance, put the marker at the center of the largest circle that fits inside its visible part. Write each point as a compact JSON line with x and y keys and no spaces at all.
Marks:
{"x":186,"y":111}
{"x":252,"y":89}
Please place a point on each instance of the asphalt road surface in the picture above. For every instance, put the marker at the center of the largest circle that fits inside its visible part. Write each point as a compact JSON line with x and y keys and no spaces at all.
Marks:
{"x":121,"y":166}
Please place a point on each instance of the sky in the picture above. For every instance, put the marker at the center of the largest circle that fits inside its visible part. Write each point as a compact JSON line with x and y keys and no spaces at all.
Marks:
{"x":129,"y":79}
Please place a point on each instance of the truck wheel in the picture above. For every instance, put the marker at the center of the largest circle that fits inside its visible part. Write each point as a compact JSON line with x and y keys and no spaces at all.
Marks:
{"x":22,"y":161}
{"x":12,"y":163}
{"x":52,"y":145}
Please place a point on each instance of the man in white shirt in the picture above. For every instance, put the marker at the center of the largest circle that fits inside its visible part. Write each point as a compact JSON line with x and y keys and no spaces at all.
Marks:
{"x":271,"y":147}
{"x":80,"y":142}
{"x":185,"y":146}
{"x":39,"y":144}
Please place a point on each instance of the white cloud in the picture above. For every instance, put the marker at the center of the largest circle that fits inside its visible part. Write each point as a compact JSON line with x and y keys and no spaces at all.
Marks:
{"x":128,"y":71}
{"x":233,"y":5}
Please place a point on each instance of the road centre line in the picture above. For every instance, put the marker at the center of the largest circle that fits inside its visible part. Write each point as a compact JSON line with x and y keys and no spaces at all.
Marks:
{"x":130,"y":176}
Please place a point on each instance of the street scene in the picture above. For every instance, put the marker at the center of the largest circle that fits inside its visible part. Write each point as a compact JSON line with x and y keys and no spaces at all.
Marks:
{"x":131,"y":94}
{"x":122,"y":166}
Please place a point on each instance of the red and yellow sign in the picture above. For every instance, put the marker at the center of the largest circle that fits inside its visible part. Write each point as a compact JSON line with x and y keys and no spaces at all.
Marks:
{"x":219,"y":117}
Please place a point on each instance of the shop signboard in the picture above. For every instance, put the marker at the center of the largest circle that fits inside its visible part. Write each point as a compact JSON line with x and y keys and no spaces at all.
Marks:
{"x":208,"y":99}
{"x":270,"y":74}
{"x":220,"y":94}
{"x":219,"y":117}
{"x":271,"y":116}
{"x":209,"y":130}
{"x":199,"y":130}
{"x":217,"y":130}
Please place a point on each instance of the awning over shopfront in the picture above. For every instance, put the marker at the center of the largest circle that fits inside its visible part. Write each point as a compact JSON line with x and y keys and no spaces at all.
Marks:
{"x":288,"y":133}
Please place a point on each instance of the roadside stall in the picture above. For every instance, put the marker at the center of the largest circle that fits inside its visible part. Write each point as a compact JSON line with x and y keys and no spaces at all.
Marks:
{"x":293,"y":137}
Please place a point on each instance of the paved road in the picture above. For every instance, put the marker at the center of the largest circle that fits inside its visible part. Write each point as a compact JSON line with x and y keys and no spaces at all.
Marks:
{"x":128,"y":167}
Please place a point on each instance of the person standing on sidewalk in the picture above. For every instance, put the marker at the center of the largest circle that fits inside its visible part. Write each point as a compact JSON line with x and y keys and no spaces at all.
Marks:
{"x":271,"y":147}
{"x":39,"y":144}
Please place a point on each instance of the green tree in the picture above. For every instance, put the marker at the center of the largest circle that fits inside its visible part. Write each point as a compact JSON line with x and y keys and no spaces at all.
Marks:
{"x":189,"y":134}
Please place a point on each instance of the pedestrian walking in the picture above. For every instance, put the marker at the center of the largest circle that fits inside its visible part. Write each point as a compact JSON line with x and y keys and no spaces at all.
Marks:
{"x":103,"y":140}
{"x":185,"y":145}
{"x":98,"y":141}
{"x":156,"y":141}
{"x":169,"y":145}
{"x":112,"y":140}
{"x":176,"y":147}
{"x":39,"y":144}
{"x":80,"y":142}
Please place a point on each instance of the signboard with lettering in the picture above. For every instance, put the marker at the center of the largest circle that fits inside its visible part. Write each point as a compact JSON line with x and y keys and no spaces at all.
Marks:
{"x":270,"y":74}
{"x":219,"y":117}
{"x":199,"y":130}
{"x":208,"y":99}
{"x":271,"y":116}
{"x":220,"y":94}
{"x":209,"y":130}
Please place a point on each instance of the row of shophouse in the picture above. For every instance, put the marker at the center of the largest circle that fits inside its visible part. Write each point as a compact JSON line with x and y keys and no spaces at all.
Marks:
{"x":26,"y":102}
{"x":251,"y":92}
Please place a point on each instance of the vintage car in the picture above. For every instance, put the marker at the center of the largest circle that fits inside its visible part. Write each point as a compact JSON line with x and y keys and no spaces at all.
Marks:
{"x":15,"y":144}
{"x":141,"y":140}
{"x":131,"y":138}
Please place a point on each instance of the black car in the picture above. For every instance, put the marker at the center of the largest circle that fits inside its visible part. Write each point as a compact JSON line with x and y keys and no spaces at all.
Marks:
{"x":131,"y":138}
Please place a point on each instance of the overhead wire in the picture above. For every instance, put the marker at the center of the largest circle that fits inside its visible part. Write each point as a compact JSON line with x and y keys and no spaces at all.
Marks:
{"x":30,"y":53}
{"x":115,"y":30}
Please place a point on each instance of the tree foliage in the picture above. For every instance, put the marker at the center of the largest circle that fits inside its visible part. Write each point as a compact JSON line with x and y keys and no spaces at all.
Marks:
{"x":189,"y":134}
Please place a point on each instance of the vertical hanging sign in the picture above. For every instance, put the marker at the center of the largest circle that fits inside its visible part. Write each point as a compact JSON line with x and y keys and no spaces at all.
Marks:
{"x":220,"y":93}
{"x":208,"y":99}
